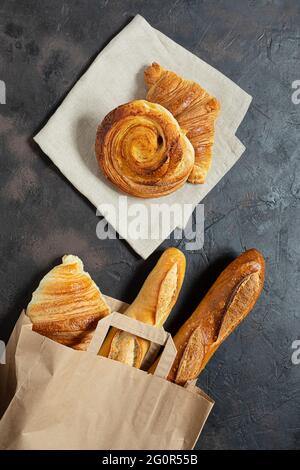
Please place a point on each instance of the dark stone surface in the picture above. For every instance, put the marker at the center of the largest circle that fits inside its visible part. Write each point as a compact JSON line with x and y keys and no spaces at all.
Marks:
{"x":45,"y":46}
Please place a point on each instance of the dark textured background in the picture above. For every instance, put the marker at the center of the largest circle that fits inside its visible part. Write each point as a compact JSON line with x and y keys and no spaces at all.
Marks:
{"x":45,"y":46}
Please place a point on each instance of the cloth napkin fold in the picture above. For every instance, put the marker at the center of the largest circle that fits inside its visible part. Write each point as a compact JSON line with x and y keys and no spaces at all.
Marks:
{"x":116,"y":77}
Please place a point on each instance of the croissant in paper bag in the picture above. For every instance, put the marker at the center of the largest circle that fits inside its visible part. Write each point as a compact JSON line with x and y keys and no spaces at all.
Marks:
{"x":142,"y":150}
{"x":152,"y":305}
{"x":67,"y":304}
{"x":194,"y":109}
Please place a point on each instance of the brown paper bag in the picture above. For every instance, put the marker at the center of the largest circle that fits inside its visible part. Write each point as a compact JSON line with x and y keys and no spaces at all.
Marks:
{"x":67,"y":399}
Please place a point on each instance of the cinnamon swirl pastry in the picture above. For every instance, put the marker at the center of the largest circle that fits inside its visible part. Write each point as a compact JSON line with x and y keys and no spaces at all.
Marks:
{"x":195,"y":110}
{"x":141,"y":149}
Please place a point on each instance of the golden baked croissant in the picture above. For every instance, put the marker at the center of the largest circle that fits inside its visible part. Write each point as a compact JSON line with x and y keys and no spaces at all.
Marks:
{"x":152,"y":305}
{"x":226,"y":304}
{"x":141,"y":148}
{"x":67,"y":304}
{"x":194,"y":109}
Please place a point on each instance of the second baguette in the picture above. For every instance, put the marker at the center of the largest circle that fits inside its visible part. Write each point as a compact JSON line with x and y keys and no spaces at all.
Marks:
{"x":152,"y":305}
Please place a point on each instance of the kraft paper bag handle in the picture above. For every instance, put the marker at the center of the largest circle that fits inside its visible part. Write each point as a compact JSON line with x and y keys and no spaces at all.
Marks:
{"x":137,"y":328}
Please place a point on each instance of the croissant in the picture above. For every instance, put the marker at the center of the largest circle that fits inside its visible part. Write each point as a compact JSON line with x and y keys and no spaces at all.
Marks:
{"x":67,"y":305}
{"x":226,"y":304}
{"x":142,"y":150}
{"x":195,"y":110}
{"x":152,"y":305}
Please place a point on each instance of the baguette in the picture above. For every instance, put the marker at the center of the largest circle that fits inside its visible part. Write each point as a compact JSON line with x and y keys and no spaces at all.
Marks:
{"x":226,"y":304}
{"x":152,"y":305}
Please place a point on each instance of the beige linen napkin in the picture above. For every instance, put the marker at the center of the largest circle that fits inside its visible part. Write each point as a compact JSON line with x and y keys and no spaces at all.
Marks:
{"x":116,"y":77}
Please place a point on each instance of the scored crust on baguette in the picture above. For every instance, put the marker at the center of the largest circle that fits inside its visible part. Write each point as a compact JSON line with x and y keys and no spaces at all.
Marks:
{"x":194,"y":108}
{"x":226,"y":304}
{"x":166,"y":295}
{"x":152,"y":305}
{"x":67,"y":304}
{"x":126,"y":348}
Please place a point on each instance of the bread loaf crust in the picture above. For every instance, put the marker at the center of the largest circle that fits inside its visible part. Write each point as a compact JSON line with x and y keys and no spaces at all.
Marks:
{"x":226,"y":304}
{"x":152,"y":305}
